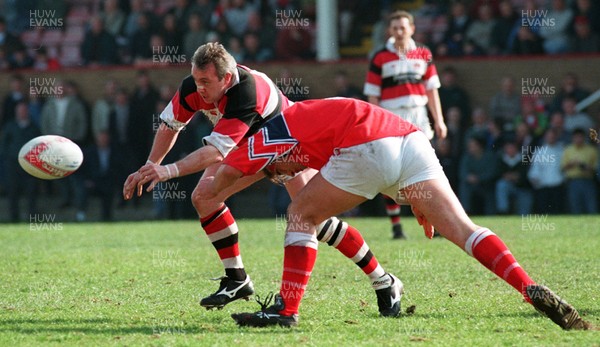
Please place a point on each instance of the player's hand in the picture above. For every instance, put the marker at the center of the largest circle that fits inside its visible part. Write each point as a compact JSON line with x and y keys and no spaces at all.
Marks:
{"x":131,"y":184}
{"x":441,"y":131}
{"x":153,"y":174}
{"x":427,"y":227}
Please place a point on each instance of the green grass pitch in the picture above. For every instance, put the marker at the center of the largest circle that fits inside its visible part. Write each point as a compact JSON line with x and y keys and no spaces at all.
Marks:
{"x":131,"y":284}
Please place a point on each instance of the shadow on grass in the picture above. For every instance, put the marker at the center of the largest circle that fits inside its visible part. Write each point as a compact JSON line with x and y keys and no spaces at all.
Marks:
{"x":95,"y":326}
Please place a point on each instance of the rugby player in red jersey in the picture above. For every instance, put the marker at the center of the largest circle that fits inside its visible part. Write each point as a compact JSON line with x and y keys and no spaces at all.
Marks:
{"x":238,"y":101}
{"x":362,"y":150}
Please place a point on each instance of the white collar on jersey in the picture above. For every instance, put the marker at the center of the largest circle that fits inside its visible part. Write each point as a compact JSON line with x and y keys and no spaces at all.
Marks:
{"x":390,"y":45}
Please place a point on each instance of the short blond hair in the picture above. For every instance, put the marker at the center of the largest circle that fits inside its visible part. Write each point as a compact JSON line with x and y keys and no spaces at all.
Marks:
{"x":214,"y":53}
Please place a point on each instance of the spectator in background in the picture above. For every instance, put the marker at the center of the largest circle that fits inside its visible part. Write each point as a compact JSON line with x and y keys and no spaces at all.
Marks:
{"x":513,"y":185}
{"x":100,"y":176}
{"x":294,"y":43}
{"x":344,"y":88}
{"x":142,"y":113}
{"x":584,"y":40}
{"x":13,"y":136}
{"x":171,"y":34}
{"x":3,"y":59}
{"x":455,"y":130}
{"x":234,"y":47}
{"x":237,"y":16}
{"x":43,"y":62}
{"x":139,"y":44}
{"x":265,"y":36}
{"x":479,"y":127}
{"x":502,"y":29}
{"x":533,"y":114}
{"x":103,"y":108}
{"x":449,"y":162}
{"x":204,"y":8}
{"x":195,"y":36}
{"x":121,"y":130}
{"x":579,"y":164}
{"x":20,"y":59}
{"x":589,"y":9}
{"x":573,"y":118}
{"x":557,"y":124}
{"x":181,"y":11}
{"x":66,"y":116}
{"x":480,"y":30}
{"x":8,"y":42}
{"x":252,"y":49}
{"x":15,"y":95}
{"x":98,"y":47}
{"x":452,"y":94}
{"x":506,"y":104}
{"x":545,"y":175}
{"x":458,"y":24}
{"x":556,"y":36}
{"x":477,"y":174}
{"x":113,"y":18}
{"x":569,"y":88}
{"x":526,"y":42}
{"x":131,"y":22}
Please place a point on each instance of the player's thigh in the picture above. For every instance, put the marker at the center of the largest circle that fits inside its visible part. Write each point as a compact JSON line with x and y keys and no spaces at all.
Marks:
{"x":319,"y":200}
{"x":436,"y":200}
{"x":299,"y":181}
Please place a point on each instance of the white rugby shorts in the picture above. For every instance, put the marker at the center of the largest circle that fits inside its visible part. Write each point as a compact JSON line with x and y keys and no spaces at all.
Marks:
{"x":417,"y":116}
{"x":383,"y":166}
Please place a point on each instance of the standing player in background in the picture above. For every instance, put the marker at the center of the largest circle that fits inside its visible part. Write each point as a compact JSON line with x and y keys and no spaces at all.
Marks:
{"x":403,"y":79}
{"x":238,"y":101}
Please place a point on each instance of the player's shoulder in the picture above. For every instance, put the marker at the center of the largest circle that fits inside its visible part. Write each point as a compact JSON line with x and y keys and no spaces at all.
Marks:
{"x":381,"y":52}
{"x":187,"y":86}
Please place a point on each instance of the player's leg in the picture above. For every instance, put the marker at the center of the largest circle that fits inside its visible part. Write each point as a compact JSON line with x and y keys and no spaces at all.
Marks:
{"x":346,"y":239}
{"x":317,"y":201}
{"x":392,"y":209}
{"x":440,"y":206}
{"x":220,"y":227}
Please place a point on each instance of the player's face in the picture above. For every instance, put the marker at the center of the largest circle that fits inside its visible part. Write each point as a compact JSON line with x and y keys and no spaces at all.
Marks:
{"x":401,"y":29}
{"x":208,"y":85}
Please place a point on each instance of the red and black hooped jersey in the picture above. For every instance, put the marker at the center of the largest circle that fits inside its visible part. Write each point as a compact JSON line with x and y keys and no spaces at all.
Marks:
{"x":312,"y":130}
{"x":246,"y":105}
{"x":401,"y":80}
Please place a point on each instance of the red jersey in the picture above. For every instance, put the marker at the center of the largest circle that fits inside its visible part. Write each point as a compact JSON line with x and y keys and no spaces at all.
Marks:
{"x":401,"y":80}
{"x":254,"y":99}
{"x":312,"y":130}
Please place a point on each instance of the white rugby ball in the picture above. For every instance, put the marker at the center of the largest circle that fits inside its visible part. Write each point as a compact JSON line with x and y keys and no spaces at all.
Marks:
{"x":50,"y":157}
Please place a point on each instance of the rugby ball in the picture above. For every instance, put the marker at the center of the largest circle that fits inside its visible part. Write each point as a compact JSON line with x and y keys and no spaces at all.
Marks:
{"x":50,"y":157}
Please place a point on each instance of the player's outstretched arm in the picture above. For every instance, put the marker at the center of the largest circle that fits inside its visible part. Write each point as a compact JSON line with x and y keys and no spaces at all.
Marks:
{"x":194,"y":162}
{"x":163,"y":142}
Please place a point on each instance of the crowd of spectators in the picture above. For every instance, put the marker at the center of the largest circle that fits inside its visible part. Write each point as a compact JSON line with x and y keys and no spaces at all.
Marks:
{"x":109,"y":32}
{"x":520,"y":154}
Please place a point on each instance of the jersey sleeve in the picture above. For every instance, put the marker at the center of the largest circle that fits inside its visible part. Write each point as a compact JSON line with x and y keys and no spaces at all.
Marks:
{"x":183,"y":105}
{"x":373,"y":81}
{"x":431,"y":78}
